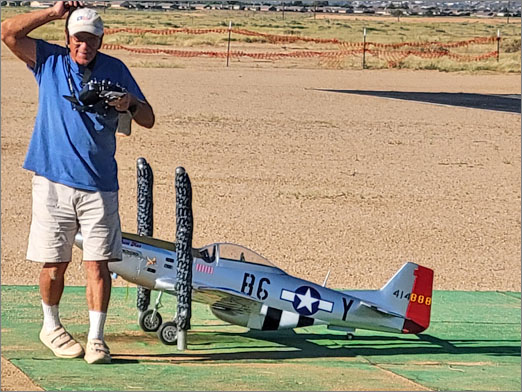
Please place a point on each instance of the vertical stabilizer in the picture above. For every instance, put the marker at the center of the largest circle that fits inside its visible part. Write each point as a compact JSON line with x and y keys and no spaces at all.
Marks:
{"x":408,"y":293}
{"x":396,"y":292}
{"x":419,"y":307}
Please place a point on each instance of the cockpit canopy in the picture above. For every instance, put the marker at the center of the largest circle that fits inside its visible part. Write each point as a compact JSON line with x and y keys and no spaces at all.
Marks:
{"x":232,"y":252}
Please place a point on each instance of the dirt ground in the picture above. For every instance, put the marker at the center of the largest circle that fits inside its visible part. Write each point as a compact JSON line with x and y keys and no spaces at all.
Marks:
{"x":314,"y":180}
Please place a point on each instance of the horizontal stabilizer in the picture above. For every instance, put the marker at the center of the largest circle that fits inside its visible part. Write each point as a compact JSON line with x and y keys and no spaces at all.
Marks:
{"x":380,"y":309}
{"x":408,"y":295}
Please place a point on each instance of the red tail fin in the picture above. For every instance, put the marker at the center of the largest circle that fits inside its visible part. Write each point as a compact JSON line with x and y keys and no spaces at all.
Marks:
{"x":419,"y":307}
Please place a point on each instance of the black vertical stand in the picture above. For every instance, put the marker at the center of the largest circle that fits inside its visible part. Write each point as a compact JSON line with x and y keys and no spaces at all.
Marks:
{"x":184,"y":229}
{"x":145,"y":219}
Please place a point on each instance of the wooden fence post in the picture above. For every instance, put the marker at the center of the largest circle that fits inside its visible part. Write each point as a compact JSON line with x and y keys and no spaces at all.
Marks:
{"x":364,"y":48}
{"x":228,"y":47}
{"x":498,"y":45}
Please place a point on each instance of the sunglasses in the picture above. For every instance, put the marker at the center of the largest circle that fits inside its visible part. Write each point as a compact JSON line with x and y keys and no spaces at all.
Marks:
{"x":89,"y":39}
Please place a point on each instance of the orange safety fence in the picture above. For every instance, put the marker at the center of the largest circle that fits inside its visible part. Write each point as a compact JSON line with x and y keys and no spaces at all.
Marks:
{"x":233,"y":53}
{"x":269,"y":37}
{"x":295,"y":38}
{"x":392,"y":53}
{"x":393,"y":58}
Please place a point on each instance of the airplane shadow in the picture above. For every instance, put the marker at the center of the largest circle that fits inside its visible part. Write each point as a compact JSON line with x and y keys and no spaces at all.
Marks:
{"x":294,"y":345}
{"x":500,"y":102}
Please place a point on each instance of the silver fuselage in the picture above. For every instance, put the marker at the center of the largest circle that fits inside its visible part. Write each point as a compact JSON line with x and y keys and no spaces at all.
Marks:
{"x":257,"y":296}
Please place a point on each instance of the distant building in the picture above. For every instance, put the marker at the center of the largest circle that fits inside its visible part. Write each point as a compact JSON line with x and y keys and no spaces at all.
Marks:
{"x":476,"y":8}
{"x":40,"y":4}
{"x":119,"y":4}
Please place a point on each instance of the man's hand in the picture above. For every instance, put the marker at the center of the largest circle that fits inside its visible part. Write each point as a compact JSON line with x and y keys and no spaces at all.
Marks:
{"x":60,"y":8}
{"x":122,"y":103}
{"x":141,"y":110}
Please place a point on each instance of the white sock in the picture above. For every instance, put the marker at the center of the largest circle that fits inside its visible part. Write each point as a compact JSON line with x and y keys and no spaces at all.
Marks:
{"x":96,"y":324}
{"x":51,"y":317}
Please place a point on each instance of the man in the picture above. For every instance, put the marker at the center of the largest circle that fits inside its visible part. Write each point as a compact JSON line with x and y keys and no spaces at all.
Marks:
{"x":75,"y":184}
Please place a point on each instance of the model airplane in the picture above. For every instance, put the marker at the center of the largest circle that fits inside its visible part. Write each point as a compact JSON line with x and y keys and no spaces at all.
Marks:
{"x":243,"y":288}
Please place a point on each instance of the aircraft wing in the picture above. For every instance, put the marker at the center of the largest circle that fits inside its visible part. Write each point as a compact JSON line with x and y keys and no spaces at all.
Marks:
{"x":225,"y":299}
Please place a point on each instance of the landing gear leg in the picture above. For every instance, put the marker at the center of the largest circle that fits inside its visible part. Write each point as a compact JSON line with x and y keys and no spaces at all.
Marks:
{"x":151,"y":319}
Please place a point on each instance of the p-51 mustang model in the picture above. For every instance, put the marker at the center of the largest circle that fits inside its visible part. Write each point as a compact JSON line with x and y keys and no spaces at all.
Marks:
{"x":243,"y":288}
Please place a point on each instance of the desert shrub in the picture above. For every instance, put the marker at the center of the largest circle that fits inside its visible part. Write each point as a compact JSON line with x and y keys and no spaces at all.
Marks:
{"x":429,"y":66}
{"x":251,"y":40}
{"x":510,"y":45}
{"x":116,"y":22}
{"x":373,"y":29}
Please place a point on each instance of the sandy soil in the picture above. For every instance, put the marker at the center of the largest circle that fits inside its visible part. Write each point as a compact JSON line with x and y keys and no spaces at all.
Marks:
{"x":313,"y":180}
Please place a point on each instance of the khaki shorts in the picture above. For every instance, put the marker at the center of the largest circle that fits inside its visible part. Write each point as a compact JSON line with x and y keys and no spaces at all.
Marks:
{"x":60,"y":211}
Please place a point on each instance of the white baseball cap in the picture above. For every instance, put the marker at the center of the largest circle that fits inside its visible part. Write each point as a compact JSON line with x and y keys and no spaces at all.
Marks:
{"x":85,"y":20}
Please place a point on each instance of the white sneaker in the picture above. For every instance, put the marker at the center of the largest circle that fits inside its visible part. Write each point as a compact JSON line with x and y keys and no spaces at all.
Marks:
{"x":61,"y":343}
{"x":97,"y":351}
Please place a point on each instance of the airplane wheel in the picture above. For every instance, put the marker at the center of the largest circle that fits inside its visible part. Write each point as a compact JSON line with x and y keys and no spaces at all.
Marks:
{"x":350,"y":336}
{"x":168,"y":333}
{"x":148,"y":323}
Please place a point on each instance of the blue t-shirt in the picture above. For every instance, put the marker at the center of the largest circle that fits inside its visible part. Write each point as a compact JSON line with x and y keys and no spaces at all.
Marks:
{"x":71,"y":147}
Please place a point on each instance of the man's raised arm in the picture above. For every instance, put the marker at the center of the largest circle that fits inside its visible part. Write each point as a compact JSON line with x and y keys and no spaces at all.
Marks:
{"x":15,"y":29}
